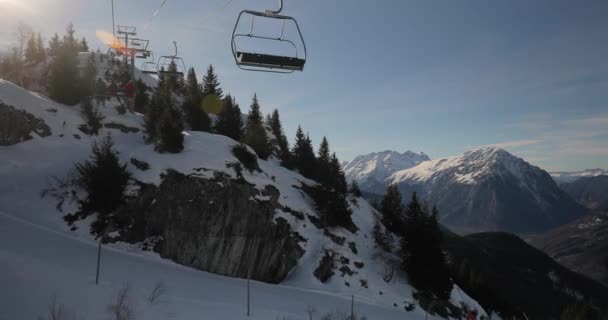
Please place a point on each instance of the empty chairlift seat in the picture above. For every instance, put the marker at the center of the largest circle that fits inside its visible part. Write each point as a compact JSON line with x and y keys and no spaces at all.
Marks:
{"x":262,"y":60}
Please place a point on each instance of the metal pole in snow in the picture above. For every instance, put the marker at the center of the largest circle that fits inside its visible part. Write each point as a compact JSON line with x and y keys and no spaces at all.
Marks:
{"x":98,"y":262}
{"x":352,"y":307}
{"x":248,"y":289}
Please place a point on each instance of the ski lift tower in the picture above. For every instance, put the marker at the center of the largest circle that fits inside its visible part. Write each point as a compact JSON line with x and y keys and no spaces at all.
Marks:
{"x":124,"y":33}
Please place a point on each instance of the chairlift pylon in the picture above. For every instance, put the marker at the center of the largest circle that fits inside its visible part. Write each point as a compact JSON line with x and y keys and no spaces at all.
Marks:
{"x":257,"y":61}
{"x":164,"y":62}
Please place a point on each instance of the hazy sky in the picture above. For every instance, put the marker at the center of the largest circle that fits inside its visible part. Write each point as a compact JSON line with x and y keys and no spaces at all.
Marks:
{"x":434,"y":76}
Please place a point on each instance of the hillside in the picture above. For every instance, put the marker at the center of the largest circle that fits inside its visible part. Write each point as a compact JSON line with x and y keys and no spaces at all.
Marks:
{"x":571,"y":176}
{"x":581,"y":246}
{"x":34,"y":162}
{"x":530,"y":282}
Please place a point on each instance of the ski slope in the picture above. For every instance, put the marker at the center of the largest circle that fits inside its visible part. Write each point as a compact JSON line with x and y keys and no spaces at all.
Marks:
{"x":41,"y":257}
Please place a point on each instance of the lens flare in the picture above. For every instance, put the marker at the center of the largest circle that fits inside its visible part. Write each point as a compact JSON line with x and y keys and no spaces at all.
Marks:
{"x":109,"y":39}
{"x":212,"y":104}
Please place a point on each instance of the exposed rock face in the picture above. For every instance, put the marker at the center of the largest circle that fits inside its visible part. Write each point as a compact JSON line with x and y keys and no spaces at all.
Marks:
{"x":217,"y":225}
{"x":17,"y":125}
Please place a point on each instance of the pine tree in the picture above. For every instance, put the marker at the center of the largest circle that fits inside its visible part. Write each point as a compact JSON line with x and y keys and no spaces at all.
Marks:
{"x":83,"y":45}
{"x":63,"y":71}
{"x":229,"y":121}
{"x":169,"y":130}
{"x":161,"y":100}
{"x":281,"y":143}
{"x":88,"y":80}
{"x":54,"y":45}
{"x":195,"y":115}
{"x":392,"y":210}
{"x":255,"y":134}
{"x":303,"y":155}
{"x":41,"y":54}
{"x":338,"y":179}
{"x":31,"y":50}
{"x":323,"y":163}
{"x":104,"y":179}
{"x":101,"y":91}
{"x":92,"y":115}
{"x":173,"y":81}
{"x":354,"y":189}
{"x":421,"y":251}
{"x":141,"y":96}
{"x":255,"y":115}
{"x":211,"y":84}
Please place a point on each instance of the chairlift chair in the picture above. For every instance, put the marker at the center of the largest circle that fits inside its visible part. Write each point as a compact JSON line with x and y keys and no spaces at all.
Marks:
{"x":149,"y":67}
{"x":164,"y":62}
{"x":257,"y":61}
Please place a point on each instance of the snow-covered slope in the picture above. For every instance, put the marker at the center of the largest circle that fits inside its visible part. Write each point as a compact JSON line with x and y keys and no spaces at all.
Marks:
{"x":570,"y":176}
{"x":371,"y":170}
{"x":40,"y":256}
{"x":489,"y":189}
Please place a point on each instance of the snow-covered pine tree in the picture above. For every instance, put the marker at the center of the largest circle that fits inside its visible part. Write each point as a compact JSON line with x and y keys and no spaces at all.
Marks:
{"x":282,"y":144}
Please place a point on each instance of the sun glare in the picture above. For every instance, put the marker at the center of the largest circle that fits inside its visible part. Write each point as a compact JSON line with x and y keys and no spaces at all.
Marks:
{"x":15,"y":5}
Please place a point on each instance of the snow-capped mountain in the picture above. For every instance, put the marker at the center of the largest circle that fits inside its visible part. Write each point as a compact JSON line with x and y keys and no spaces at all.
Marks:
{"x":570,"y":176}
{"x":489,"y":189}
{"x":371,"y":170}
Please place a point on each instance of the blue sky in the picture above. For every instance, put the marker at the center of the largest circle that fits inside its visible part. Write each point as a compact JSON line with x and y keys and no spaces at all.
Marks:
{"x":440,"y":77}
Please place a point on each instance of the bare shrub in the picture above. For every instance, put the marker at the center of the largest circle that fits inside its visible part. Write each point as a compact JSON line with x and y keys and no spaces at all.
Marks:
{"x":62,"y":189}
{"x":122,"y":309}
{"x":389,"y":272}
{"x":57,"y":311}
{"x":157,"y":293}
{"x":310,"y":310}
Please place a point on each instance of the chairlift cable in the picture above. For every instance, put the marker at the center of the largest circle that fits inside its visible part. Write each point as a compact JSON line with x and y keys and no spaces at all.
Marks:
{"x":215,"y":10}
{"x":154,"y":14}
{"x":113,"y":23}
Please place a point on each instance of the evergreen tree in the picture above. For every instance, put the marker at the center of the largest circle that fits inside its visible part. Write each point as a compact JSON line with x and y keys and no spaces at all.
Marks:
{"x":303,"y":155}
{"x":63,"y":77}
{"x":41,"y":54}
{"x":255,"y":134}
{"x":92,"y":115}
{"x":354,"y":189}
{"x":229,"y":121}
{"x":254,"y":118}
{"x":277,"y":130}
{"x":323,"y":163}
{"x":83,"y":45}
{"x":161,"y":100}
{"x":54,"y":45}
{"x":338,"y":179}
{"x":101,"y":91}
{"x":31,"y":49}
{"x":141,"y":96}
{"x":173,"y":81}
{"x":196,"y":116}
{"x":392,"y":210}
{"x":211,"y":84}
{"x":170,"y":131}
{"x":421,"y":253}
{"x":88,"y":80}
{"x":105,"y":179}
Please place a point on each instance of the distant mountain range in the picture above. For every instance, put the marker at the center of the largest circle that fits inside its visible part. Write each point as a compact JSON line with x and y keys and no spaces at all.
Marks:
{"x":570,"y":176}
{"x":371,"y":170}
{"x":591,"y":191}
{"x":487,"y":189}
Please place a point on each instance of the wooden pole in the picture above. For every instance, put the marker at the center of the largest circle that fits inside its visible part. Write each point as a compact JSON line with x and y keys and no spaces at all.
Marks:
{"x":248,"y":291}
{"x":98,"y":262}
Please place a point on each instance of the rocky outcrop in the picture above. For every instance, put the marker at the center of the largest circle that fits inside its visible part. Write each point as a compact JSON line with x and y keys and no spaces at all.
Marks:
{"x":17,"y":126}
{"x":220,"y":225}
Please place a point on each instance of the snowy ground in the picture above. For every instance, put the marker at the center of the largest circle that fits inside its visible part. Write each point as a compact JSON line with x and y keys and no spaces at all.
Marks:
{"x":41,"y":258}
